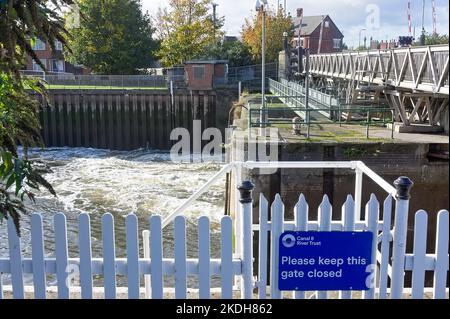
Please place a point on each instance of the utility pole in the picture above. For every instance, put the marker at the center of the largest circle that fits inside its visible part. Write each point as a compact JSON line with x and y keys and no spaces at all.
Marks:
{"x":434,"y":18}
{"x":422,"y":37}
{"x":409,"y":19}
{"x":261,"y":7}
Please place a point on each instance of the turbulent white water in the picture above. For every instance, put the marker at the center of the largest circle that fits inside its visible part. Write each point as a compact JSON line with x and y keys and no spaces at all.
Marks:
{"x":140,"y":182}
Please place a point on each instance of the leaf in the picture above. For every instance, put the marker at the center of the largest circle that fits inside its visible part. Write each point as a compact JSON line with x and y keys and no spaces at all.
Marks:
{"x":11,"y":180}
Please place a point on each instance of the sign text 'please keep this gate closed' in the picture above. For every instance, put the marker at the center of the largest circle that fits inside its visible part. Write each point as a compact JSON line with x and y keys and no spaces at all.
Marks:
{"x":325,"y":261}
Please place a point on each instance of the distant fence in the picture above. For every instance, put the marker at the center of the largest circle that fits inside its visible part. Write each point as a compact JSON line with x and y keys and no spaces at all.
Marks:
{"x":249,"y":76}
{"x":251,"y":73}
{"x":110,"y":82}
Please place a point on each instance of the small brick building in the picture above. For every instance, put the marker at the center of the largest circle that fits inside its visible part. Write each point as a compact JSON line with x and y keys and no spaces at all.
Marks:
{"x":332,"y":37}
{"x":205,"y":74}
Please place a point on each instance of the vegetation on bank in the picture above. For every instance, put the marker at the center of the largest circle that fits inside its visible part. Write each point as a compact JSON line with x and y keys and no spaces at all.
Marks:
{"x":21,"y":22}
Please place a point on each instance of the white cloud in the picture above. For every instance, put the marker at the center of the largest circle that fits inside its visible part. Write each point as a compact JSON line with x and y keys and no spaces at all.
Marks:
{"x":349,"y":15}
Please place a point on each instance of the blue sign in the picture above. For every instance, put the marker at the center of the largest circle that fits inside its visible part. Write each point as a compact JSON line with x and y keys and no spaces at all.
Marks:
{"x":325,"y":261}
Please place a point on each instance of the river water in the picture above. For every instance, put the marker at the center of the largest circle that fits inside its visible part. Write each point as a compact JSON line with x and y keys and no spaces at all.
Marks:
{"x":141,"y":182}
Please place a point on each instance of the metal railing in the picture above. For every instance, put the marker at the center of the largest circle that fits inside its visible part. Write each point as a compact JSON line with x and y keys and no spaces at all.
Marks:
{"x":293,"y":95}
{"x":236,"y":169}
{"x":108,"y":82}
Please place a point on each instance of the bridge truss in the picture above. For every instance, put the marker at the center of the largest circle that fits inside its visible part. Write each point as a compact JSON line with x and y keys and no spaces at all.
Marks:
{"x":414,"y":81}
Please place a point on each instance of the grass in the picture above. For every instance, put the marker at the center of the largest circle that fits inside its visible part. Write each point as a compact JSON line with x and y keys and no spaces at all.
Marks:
{"x":94,"y":87}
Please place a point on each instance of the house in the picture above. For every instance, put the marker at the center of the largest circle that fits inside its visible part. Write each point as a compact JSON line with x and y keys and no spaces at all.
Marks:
{"x":206,"y":74}
{"x":311,"y":30}
{"x":53,"y":60}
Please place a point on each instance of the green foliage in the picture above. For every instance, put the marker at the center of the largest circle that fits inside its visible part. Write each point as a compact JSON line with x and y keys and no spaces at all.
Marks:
{"x":276,"y":26}
{"x":20,"y":22}
{"x":236,"y":52}
{"x":434,"y":39}
{"x":186,"y":29}
{"x":113,"y":37}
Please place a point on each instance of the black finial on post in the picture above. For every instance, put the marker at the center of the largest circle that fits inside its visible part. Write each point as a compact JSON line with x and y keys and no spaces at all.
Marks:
{"x":403,"y":185}
{"x":246,"y":189}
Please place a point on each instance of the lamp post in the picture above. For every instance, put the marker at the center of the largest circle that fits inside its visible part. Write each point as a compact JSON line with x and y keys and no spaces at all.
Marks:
{"x":359,"y":43}
{"x":261,"y":6}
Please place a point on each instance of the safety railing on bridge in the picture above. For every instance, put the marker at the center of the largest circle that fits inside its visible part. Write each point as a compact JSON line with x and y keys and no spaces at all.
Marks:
{"x":293,"y":95}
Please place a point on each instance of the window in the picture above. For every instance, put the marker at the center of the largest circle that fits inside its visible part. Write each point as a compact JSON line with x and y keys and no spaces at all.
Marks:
{"x":57,"y":65}
{"x":302,"y":42}
{"x":39,"y":45}
{"x":327,"y":24}
{"x":37,"y":67}
{"x":199,"y":72}
{"x":58,"y":46}
{"x":336,"y":43}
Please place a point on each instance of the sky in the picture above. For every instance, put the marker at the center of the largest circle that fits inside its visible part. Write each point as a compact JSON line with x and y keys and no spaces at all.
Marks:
{"x":349,"y":15}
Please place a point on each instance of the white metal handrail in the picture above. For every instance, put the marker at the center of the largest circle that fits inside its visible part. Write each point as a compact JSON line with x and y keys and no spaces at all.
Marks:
{"x":182,"y":208}
{"x":359,"y":167}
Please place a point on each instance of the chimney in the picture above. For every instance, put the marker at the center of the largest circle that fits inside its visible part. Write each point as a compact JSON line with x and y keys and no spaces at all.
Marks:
{"x":299,"y":12}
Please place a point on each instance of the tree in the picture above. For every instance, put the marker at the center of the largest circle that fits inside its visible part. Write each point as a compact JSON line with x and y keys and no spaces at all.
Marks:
{"x":21,"y":22}
{"x":435,"y":38}
{"x":236,"y":52}
{"x":276,"y":26}
{"x":186,"y":29}
{"x":115,"y":37}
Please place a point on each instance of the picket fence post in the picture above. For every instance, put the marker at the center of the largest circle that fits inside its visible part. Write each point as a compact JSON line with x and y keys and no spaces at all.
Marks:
{"x":180,"y":257}
{"x":420,"y":252}
{"x":301,"y":215}
{"x":204,"y":253}
{"x":246,"y":201}
{"x":62,"y":254}
{"x":109,"y":256}
{"x":38,"y":256}
{"x":263,"y":248}
{"x":15,"y":258}
{"x":325,"y":214}
{"x":227,"y":257}
{"x":403,"y":186}
{"x":277,"y":220}
{"x":348,"y":214}
{"x":441,"y":253}
{"x":385,"y":247}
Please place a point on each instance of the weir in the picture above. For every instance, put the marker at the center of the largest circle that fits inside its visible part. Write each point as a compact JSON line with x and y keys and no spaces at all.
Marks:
{"x":128,"y":120}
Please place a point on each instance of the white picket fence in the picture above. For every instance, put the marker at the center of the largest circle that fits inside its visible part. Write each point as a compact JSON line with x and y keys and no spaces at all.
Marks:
{"x":235,"y":267}
{"x":133,"y":266}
